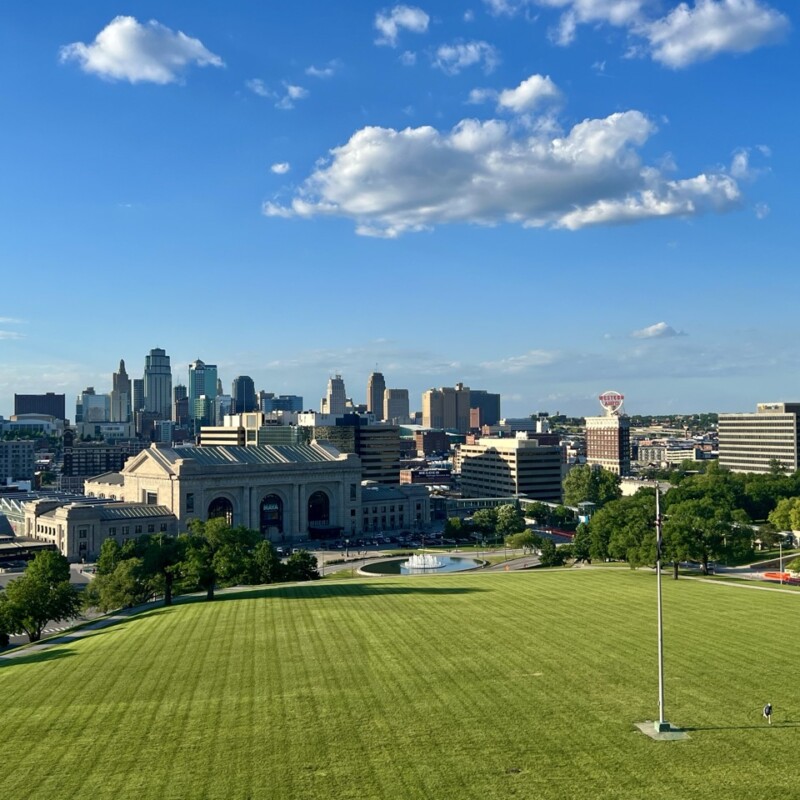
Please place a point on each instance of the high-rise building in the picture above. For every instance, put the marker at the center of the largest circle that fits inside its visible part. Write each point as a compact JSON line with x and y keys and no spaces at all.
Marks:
{"x":243,"y":393}
{"x":284,"y":402}
{"x":51,"y":404}
{"x":92,"y":407}
{"x":121,"y":395}
{"x":487,"y":405}
{"x":395,"y":406}
{"x":376,"y":386}
{"x":758,"y":442}
{"x":202,"y":382}
{"x":138,"y":395}
{"x":608,"y":438}
{"x":377,"y":445}
{"x":158,"y":383}
{"x":180,"y":404}
{"x":510,"y":467}
{"x":335,"y":402}
{"x":223,"y":406}
{"x":447,"y":407}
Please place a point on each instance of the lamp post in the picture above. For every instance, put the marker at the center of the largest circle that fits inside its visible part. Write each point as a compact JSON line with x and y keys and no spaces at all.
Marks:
{"x":662,"y":725}
{"x":780,"y":562}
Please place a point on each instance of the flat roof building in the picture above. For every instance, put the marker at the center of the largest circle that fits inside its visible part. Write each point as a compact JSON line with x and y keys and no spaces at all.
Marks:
{"x":756,"y":442}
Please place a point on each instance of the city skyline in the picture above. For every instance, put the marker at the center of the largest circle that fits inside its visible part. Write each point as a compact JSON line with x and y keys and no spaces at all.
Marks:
{"x":560,"y":197}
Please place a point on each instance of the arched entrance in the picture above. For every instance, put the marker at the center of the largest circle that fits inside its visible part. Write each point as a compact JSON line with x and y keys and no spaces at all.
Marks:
{"x":319,"y":511}
{"x":221,"y":507}
{"x":271,"y":515}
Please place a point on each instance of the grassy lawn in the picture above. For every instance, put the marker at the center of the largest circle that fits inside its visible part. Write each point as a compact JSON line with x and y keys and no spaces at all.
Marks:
{"x":482,"y":686}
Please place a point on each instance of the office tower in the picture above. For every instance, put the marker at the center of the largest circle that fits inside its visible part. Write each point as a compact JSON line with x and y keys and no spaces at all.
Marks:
{"x":395,"y":406}
{"x":487,"y":405}
{"x":284,"y":402}
{"x":180,"y":404}
{"x":335,"y":401}
{"x":202,"y":383}
{"x":758,"y":442}
{"x":608,"y":438}
{"x":223,"y":406}
{"x":376,"y":386}
{"x":220,"y":390}
{"x":50,"y":404}
{"x":158,"y":383}
{"x":243,"y":393}
{"x":120,"y":395}
{"x":92,"y":407}
{"x":447,"y":407}
{"x":138,"y":395}
{"x":510,"y":467}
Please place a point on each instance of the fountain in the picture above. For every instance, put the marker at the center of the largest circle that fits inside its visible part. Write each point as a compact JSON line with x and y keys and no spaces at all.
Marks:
{"x":424,"y":561}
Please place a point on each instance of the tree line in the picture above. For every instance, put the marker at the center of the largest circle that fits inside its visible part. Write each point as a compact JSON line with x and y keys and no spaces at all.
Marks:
{"x":211,"y":555}
{"x":716,"y":515}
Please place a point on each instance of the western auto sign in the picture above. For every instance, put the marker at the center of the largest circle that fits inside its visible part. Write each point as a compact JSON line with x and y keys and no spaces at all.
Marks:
{"x":611,"y":401}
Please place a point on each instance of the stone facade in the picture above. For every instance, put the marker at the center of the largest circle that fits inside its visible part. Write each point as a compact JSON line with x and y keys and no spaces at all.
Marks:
{"x":286,"y":492}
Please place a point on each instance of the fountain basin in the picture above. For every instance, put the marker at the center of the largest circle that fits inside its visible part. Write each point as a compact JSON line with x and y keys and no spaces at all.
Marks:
{"x":400,"y":565}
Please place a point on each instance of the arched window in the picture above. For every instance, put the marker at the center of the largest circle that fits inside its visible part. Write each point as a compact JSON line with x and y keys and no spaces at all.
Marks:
{"x":319,"y":510}
{"x":271,"y":515}
{"x":221,"y":507}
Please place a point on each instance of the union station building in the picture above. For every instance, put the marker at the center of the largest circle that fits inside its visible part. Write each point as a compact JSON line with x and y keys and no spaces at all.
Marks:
{"x":289,"y":493}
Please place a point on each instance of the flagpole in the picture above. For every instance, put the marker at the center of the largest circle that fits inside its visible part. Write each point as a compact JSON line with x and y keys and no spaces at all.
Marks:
{"x":662,"y":724}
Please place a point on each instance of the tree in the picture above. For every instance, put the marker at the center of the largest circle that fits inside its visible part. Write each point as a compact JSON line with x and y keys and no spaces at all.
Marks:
{"x":527,"y":541}
{"x":266,"y":566}
{"x":786,"y":515}
{"x":509,"y":520}
{"x":581,"y":543}
{"x":485,"y":520}
{"x":5,"y":622}
{"x":216,"y":553}
{"x":625,"y":529}
{"x":161,"y":561}
{"x":549,"y":555}
{"x":454,"y":528}
{"x":127,"y":586}
{"x":110,"y":556}
{"x":701,"y":530}
{"x":301,"y":566}
{"x":537,"y":511}
{"x":591,"y":484}
{"x":43,"y":594}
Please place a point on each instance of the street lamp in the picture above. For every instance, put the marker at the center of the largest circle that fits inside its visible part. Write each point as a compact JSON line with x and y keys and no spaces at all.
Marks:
{"x":662,"y":725}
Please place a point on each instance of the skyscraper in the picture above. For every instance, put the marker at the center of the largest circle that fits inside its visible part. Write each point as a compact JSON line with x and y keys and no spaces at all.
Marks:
{"x":121,"y":395}
{"x":608,"y":438}
{"x":138,"y":395}
{"x":158,"y":383}
{"x":395,"y":406}
{"x":335,"y":401}
{"x":376,"y":386}
{"x":180,"y":404}
{"x":202,"y":382}
{"x":243,"y":393}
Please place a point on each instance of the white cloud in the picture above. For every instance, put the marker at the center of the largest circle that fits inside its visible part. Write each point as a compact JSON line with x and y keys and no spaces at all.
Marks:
{"x":762,"y":210}
{"x":281,"y":168}
{"x":128,"y":50}
{"x":478,"y":96}
{"x":687,"y":35}
{"x":11,"y":321}
{"x":328,"y":71}
{"x":658,"y":331}
{"x":391,"y":181}
{"x":257,"y":86}
{"x":11,"y":335}
{"x":292,"y":93}
{"x":408,"y":58}
{"x":469,"y":15}
{"x":452,"y":58}
{"x":533,"y":358}
{"x":390,"y":23}
{"x":530,"y":93}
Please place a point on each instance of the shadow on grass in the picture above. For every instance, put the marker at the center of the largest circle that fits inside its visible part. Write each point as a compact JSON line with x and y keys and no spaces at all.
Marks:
{"x":317,"y":590}
{"x":763,"y":727}
{"x":35,"y":657}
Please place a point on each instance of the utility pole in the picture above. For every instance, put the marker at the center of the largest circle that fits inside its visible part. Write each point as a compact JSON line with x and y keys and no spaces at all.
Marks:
{"x":662,"y":725}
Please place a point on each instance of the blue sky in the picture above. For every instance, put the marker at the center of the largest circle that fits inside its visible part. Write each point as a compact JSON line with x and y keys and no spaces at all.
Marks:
{"x":547,"y":199}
